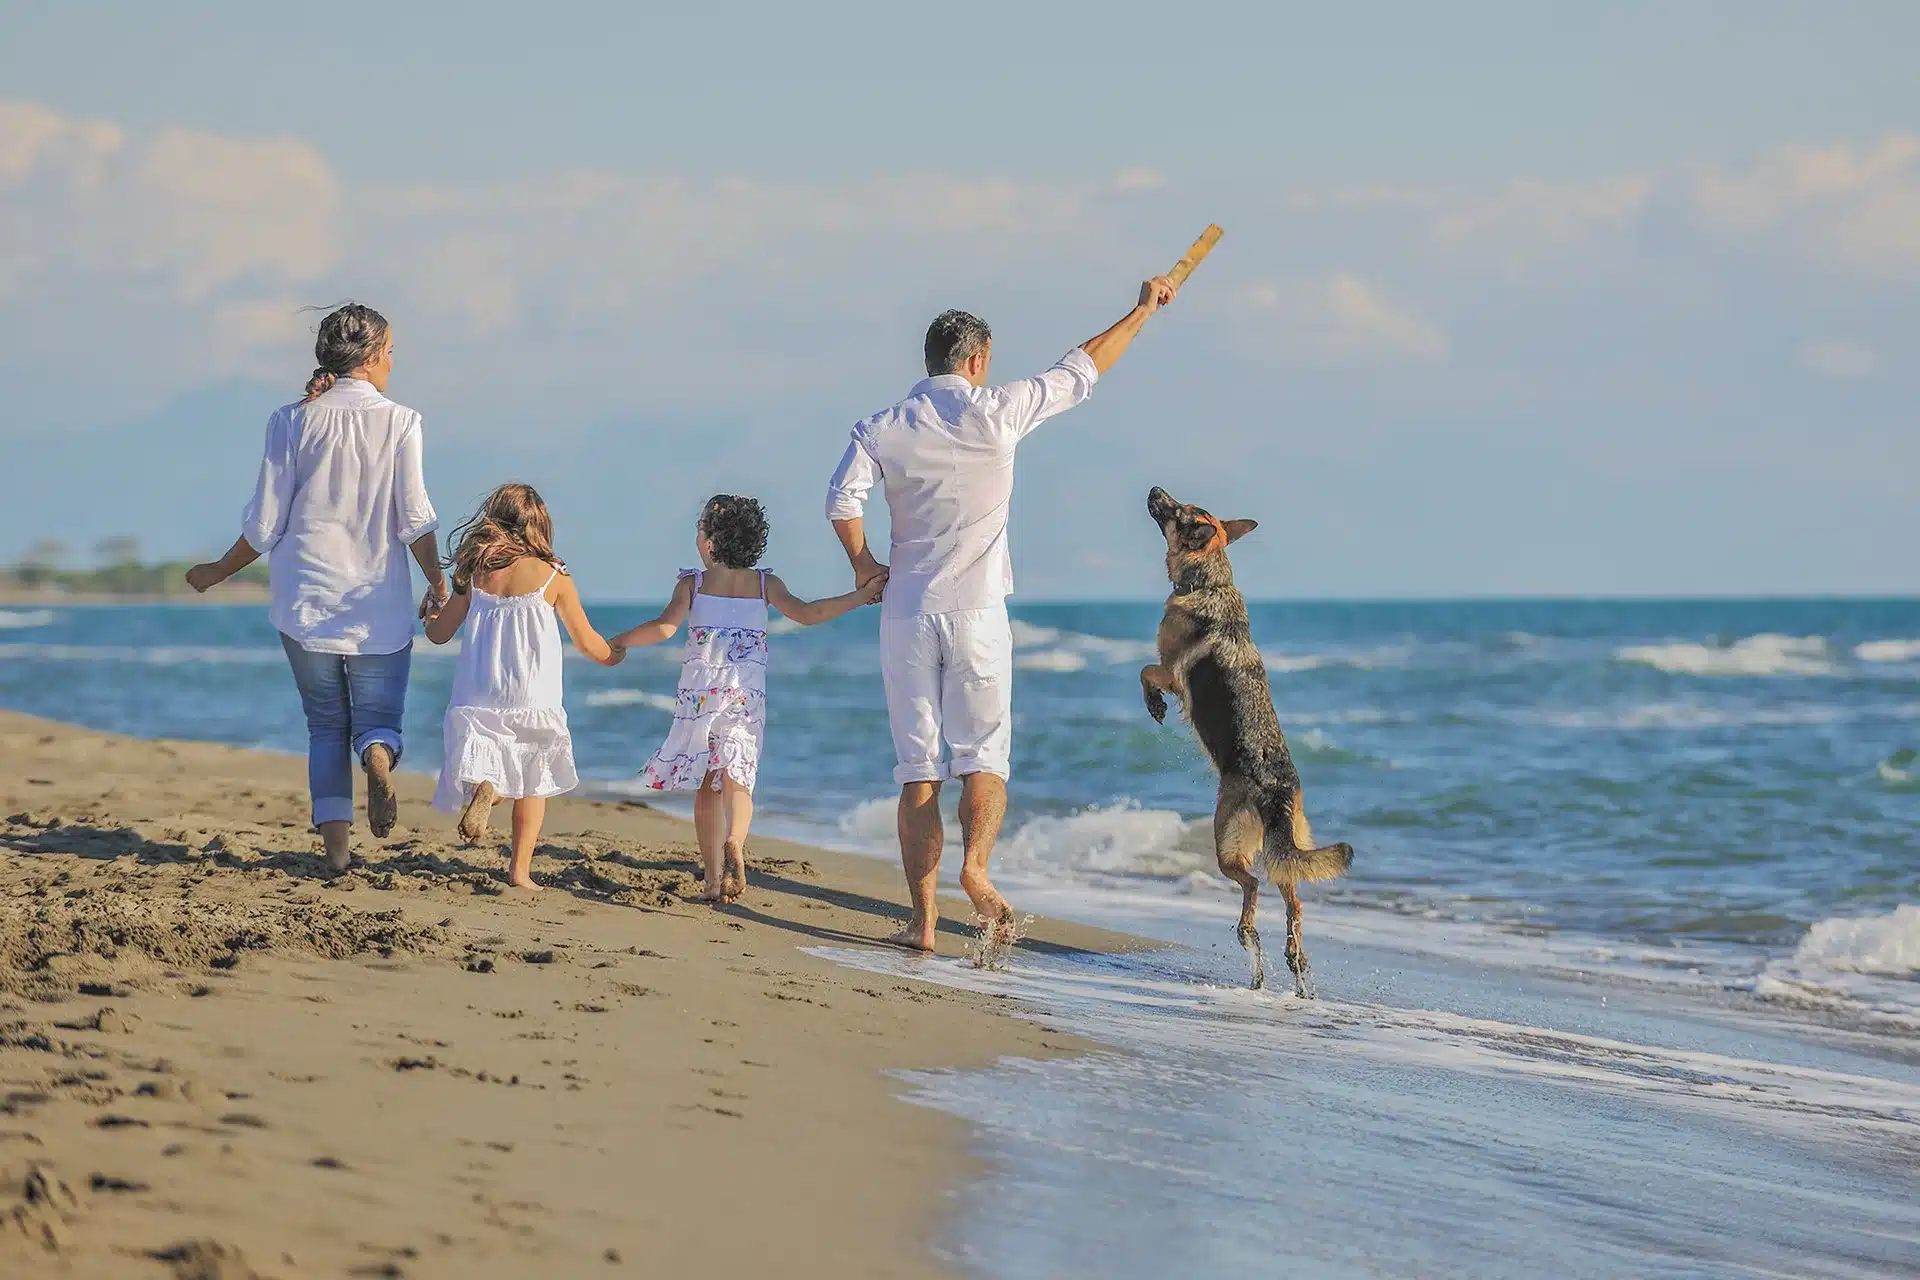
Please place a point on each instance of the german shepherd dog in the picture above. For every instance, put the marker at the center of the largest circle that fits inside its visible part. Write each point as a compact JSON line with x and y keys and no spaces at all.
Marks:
{"x":1208,"y":661}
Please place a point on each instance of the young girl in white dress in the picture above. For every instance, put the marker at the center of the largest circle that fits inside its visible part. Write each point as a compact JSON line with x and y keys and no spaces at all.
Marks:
{"x":506,"y":731}
{"x":720,"y":717}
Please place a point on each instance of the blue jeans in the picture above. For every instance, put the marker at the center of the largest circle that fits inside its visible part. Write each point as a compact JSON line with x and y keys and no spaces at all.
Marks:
{"x":352,"y":701}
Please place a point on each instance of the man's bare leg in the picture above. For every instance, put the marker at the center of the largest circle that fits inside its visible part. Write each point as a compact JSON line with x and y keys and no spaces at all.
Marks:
{"x":983,"y":807}
{"x":921,"y":841}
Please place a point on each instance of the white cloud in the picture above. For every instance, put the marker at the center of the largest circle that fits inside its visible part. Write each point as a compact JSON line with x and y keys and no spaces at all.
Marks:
{"x":1835,"y":358}
{"x":1339,"y":316}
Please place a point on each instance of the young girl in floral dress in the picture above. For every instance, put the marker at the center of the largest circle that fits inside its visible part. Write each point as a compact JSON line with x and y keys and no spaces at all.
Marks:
{"x":720,"y":720}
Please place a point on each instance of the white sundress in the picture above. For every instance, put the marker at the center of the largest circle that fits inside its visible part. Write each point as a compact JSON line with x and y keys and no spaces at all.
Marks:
{"x":720,"y":715}
{"x":505,"y":723}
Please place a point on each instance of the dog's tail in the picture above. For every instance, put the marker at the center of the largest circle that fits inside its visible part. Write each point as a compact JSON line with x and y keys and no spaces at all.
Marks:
{"x":1290,"y":854}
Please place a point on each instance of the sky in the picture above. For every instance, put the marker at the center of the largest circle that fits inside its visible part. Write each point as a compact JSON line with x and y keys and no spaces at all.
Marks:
{"x":1514,"y":299}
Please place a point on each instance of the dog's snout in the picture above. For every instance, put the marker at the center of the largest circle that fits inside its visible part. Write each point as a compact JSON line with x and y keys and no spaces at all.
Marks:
{"x":1159,"y":502}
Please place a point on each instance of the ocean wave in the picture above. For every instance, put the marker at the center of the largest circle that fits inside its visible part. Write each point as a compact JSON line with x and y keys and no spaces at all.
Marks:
{"x":1767,"y":654}
{"x":25,"y":620}
{"x":1386,"y":656}
{"x":1888,"y":944}
{"x":1864,"y":962}
{"x":631,"y":698}
{"x":1888,"y":651}
{"x":1689,"y":715}
{"x":1897,"y":769}
{"x":1051,"y":660}
{"x":1088,"y":648}
{"x":1122,"y":839}
{"x":157,"y":656}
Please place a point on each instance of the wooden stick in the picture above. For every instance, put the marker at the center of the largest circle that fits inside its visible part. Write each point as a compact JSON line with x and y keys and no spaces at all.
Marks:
{"x":1194,"y":256}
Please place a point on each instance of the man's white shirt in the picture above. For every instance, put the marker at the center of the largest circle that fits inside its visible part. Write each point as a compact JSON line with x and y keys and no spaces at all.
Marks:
{"x":945,"y":458}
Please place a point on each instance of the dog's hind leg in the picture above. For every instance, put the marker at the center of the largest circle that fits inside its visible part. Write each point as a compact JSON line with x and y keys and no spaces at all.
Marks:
{"x":1238,"y":837}
{"x":1296,"y":949}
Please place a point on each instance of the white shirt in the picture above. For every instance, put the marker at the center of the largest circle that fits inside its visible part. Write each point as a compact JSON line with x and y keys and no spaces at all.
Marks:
{"x":945,"y":455}
{"x":341,"y":497}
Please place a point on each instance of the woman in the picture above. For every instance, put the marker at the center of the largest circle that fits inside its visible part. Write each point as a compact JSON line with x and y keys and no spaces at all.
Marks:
{"x":339,"y":503}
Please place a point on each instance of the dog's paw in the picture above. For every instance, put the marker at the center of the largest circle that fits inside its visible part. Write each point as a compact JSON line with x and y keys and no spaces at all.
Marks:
{"x":1157,"y":706}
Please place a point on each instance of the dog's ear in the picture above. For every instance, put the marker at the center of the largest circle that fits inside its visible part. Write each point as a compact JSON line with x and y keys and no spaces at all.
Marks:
{"x":1238,"y":529}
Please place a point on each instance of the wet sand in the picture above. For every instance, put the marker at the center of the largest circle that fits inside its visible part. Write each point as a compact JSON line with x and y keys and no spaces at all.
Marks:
{"x":217,"y":1063}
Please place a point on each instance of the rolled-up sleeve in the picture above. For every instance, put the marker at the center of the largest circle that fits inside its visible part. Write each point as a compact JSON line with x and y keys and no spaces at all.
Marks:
{"x":413,"y":514}
{"x":265,"y":520}
{"x":1018,"y":407}
{"x":852,"y":480}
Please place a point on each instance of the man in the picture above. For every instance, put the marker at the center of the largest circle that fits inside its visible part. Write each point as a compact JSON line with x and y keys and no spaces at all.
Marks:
{"x":945,"y":457}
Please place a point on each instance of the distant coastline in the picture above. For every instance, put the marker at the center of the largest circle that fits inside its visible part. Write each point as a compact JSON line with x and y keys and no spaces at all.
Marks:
{"x":125,"y":582}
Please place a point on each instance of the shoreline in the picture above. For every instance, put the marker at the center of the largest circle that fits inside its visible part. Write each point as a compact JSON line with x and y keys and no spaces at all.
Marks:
{"x":206,"y":1046}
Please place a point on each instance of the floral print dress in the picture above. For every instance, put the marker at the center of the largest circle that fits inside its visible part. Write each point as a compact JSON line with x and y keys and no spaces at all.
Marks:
{"x":720,"y":715}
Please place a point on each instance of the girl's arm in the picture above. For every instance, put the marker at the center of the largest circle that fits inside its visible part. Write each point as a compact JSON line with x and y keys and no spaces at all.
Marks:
{"x":662,"y":627}
{"x":442,"y":625}
{"x":566,"y":603}
{"x":809,"y":612}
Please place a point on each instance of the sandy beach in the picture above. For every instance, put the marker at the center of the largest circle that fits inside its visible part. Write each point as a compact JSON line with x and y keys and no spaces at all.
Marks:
{"x":217,"y":1063}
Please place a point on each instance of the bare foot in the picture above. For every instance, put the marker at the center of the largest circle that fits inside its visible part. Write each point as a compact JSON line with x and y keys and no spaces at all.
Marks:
{"x":734,"y":882}
{"x":915,"y":937}
{"x":525,"y":881}
{"x":339,"y":853}
{"x":473,"y":818}
{"x":989,"y":905}
{"x":383,"y":807}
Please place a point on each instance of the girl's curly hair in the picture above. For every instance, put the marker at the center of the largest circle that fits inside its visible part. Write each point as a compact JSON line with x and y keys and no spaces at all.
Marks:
{"x":738,"y":528}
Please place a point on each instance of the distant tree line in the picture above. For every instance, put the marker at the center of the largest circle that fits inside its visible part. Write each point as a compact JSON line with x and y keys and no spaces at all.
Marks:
{"x":118,"y":570}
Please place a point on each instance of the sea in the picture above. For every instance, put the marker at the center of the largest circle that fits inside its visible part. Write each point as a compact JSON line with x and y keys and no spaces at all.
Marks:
{"x":1625,"y":979}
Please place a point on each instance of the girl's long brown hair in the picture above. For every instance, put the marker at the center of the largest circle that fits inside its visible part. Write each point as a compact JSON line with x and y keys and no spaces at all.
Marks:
{"x":511,"y":524}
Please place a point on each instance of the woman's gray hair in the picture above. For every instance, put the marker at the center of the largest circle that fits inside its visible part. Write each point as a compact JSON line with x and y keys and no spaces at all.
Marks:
{"x":954,"y":338}
{"x":349,"y":337}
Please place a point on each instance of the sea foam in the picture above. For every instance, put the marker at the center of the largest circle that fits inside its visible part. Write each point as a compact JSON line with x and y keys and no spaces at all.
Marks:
{"x":1767,"y":654}
{"x":1888,"y":651}
{"x":24,"y":620}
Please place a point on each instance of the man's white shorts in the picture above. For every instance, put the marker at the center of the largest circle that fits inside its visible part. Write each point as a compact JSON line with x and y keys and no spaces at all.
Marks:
{"x":949,"y":675}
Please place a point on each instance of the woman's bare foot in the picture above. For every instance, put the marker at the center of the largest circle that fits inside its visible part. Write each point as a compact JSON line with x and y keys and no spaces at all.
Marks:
{"x":524,"y":880}
{"x":383,"y":807}
{"x":734,"y":882}
{"x":335,"y":836}
{"x":473,"y":818}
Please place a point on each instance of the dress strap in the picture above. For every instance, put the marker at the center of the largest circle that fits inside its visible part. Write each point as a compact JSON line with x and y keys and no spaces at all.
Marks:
{"x":763,"y":586}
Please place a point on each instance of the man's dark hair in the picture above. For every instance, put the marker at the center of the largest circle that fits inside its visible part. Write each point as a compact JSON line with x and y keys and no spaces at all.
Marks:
{"x":954,"y":338}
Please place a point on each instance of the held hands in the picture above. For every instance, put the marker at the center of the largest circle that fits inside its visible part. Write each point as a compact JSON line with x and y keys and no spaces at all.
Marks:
{"x":434,"y":600}
{"x":1157,"y":293}
{"x":617,"y":653}
{"x":870,"y":591}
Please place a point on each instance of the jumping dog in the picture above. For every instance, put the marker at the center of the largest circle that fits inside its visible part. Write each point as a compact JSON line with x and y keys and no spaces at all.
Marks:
{"x":1208,"y":661}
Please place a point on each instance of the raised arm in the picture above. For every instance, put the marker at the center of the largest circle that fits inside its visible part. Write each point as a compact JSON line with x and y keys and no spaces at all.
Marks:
{"x":573,"y":616}
{"x":847,"y":494}
{"x":1107,"y":348}
{"x":812,"y":612}
{"x":654,"y":630}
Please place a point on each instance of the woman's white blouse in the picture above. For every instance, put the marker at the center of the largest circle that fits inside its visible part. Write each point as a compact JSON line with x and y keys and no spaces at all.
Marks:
{"x":341,"y":498}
